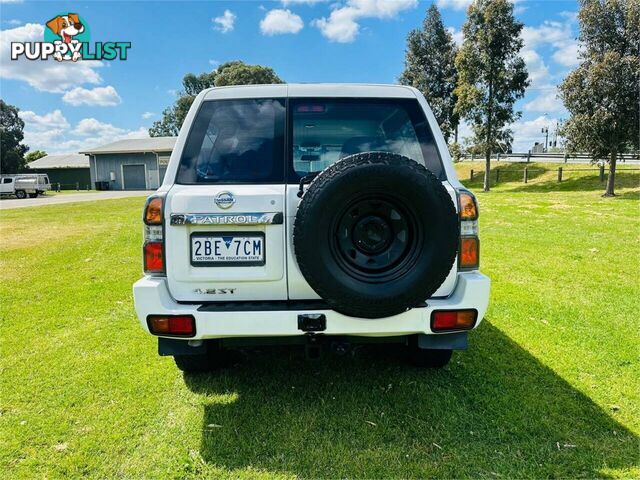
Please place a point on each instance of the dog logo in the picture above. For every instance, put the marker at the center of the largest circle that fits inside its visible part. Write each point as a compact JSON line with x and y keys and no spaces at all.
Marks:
{"x":66,"y":37}
{"x":66,"y":27}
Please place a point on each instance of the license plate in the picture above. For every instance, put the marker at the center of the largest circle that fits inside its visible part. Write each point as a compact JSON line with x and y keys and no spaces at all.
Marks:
{"x":218,"y":249}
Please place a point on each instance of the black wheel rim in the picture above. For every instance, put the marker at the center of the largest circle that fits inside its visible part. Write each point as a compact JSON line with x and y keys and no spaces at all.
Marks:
{"x":375,"y":238}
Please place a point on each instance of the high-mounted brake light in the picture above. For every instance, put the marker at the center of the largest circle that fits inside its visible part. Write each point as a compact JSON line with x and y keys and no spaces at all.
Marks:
{"x":172,"y":325}
{"x":447,"y":320}
{"x":469,"y":251}
{"x":310,"y":108}
{"x":153,"y":247}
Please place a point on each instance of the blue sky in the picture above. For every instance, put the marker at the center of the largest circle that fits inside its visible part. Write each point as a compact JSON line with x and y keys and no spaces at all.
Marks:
{"x":70,"y":106}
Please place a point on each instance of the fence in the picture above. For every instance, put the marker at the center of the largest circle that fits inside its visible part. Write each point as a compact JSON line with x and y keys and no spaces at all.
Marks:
{"x":561,"y":171}
{"x":56,"y":187}
{"x":561,"y":157}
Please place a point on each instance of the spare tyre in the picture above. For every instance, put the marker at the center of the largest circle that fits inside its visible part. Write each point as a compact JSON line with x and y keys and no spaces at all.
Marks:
{"x":375,"y":234}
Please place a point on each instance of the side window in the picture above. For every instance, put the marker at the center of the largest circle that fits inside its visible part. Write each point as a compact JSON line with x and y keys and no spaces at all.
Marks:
{"x":7,"y":180}
{"x":326,"y":130}
{"x":235,"y":141}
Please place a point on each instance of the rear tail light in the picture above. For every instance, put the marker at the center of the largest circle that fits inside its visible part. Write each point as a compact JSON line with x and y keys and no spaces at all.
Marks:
{"x":153,"y":247}
{"x":469,"y":250}
{"x":469,"y":253}
{"x":448,"y":320}
{"x":153,"y":257}
{"x":172,"y":325}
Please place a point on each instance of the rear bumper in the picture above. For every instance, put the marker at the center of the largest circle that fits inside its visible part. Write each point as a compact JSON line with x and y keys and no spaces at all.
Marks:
{"x":152,"y":297}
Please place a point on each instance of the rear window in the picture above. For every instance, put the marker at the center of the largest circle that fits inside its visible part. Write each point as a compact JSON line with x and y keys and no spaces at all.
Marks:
{"x":326,"y":130}
{"x":235,"y":141}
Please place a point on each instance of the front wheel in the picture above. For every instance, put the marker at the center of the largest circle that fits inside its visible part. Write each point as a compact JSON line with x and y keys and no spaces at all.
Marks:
{"x":21,"y":194}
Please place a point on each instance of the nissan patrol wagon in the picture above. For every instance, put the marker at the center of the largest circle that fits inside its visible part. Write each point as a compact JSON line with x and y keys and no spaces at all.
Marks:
{"x":315,"y":214}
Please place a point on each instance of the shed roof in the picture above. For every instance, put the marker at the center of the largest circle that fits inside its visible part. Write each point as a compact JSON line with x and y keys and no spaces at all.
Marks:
{"x":135,"y":145}
{"x":69,"y":160}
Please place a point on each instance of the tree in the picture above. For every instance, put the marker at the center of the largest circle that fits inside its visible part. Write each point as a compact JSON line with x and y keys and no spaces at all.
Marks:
{"x":229,"y":73}
{"x":35,"y":155}
{"x":430,"y":67}
{"x":492,"y":75}
{"x":602,"y":94}
{"x":11,"y":135}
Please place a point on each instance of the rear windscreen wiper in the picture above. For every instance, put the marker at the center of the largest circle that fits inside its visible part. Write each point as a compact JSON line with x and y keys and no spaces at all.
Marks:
{"x":308,"y":178}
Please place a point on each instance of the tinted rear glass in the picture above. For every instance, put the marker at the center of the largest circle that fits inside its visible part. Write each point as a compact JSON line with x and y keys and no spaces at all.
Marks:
{"x":235,"y":141}
{"x":325,"y":130}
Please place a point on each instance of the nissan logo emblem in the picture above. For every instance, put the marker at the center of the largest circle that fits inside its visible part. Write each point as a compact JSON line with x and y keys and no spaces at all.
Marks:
{"x":225,"y":199}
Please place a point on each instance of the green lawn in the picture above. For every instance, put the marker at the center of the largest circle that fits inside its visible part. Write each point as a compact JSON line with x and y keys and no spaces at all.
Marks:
{"x":548,"y":388}
{"x":67,"y":192}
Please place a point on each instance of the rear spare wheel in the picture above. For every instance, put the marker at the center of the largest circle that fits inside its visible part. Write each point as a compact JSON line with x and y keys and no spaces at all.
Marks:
{"x":376,"y":233}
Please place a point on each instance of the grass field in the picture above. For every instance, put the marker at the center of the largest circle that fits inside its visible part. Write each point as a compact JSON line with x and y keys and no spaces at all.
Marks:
{"x":548,"y":388}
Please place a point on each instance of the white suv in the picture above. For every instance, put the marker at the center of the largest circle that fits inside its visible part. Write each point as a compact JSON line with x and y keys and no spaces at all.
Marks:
{"x":314,"y":214}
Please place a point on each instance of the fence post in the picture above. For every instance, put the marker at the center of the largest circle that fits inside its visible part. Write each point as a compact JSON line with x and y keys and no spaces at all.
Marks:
{"x":77,"y":185}
{"x":58,"y":187}
{"x":497,"y":175}
{"x":498,"y":157}
{"x":566,"y":157}
{"x":472,"y":157}
{"x":559,"y":174}
{"x":526,"y":174}
{"x":471,"y":175}
{"x":602,"y":173}
{"x":528,"y":156}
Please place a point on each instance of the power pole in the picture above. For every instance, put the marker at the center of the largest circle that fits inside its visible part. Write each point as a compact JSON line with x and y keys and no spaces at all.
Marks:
{"x":545,"y":130}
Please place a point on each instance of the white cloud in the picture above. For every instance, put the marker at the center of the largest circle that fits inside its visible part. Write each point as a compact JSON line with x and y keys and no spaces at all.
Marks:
{"x":546,"y":101}
{"x":45,"y":75}
{"x":280,"y":21}
{"x":286,"y":3}
{"x":464,"y":4}
{"x":214,"y":63}
{"x":550,"y":32}
{"x":570,"y":16}
{"x":520,"y":9}
{"x":342,"y":25}
{"x":558,"y":35}
{"x":99,"y":96}
{"x":13,"y":22}
{"x":48,"y":121}
{"x":526,"y":133}
{"x":456,"y":34}
{"x":538,"y":70}
{"x":91,"y":126}
{"x":148,"y":115}
{"x":52,"y":132}
{"x":567,"y":55}
{"x":225,"y":22}
{"x":455,"y":4}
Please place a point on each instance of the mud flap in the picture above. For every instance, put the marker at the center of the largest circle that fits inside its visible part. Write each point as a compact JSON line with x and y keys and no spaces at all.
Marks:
{"x":448,"y":341}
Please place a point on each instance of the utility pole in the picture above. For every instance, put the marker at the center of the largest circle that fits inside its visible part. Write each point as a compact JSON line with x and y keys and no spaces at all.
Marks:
{"x":545,"y":130}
